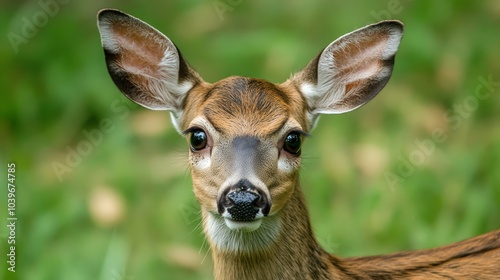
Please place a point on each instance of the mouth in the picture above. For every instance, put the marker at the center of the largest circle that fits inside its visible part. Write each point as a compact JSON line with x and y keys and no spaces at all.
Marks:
{"x":242,"y":236}
{"x":246,"y":226}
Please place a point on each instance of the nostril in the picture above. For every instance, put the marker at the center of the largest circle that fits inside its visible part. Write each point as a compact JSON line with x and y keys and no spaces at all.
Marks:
{"x":224,"y":202}
{"x":263,"y":203}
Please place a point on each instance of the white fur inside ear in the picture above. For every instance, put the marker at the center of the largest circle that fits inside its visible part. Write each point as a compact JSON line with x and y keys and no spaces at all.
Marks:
{"x":315,"y":94}
{"x":165,"y":86}
{"x":108,"y":40}
{"x":169,"y":67}
{"x":392,"y":44}
{"x":308,"y":90}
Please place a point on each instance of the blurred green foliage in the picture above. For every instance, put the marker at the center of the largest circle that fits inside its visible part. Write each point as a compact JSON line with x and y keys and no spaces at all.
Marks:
{"x":124,"y":208}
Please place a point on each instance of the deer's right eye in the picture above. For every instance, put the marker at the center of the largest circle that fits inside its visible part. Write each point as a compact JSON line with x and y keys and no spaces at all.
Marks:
{"x":198,"y":140}
{"x":292,"y":143}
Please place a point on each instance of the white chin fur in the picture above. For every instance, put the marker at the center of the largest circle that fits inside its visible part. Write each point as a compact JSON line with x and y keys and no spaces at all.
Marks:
{"x":243,"y":226}
{"x":233,"y":236}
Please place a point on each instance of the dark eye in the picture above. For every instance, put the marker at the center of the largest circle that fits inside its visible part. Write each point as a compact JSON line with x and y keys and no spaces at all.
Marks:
{"x":292,"y":143}
{"x":198,"y":140}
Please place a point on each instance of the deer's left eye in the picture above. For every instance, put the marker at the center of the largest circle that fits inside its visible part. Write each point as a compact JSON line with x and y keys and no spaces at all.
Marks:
{"x":198,"y":140}
{"x":293,"y":142}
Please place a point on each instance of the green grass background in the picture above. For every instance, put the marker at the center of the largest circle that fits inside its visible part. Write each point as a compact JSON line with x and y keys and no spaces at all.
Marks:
{"x":126,"y":210}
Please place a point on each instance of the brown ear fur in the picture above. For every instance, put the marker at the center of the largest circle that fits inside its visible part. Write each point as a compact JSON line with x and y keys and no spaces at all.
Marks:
{"x":144,"y":64}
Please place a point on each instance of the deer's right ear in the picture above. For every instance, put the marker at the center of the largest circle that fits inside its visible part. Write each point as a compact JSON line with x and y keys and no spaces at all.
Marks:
{"x":144,"y":64}
{"x":350,"y":71}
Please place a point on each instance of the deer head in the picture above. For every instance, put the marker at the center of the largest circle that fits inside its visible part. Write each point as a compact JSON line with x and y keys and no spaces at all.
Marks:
{"x":245,"y":134}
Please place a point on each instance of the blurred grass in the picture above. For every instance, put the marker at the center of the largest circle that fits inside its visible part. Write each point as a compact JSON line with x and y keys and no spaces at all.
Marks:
{"x":126,"y":210}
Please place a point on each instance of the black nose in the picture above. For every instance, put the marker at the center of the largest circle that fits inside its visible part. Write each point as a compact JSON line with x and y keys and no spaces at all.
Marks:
{"x":243,"y":201}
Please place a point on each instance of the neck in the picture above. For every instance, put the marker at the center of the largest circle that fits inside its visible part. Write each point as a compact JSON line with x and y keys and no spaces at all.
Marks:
{"x":283,"y":247}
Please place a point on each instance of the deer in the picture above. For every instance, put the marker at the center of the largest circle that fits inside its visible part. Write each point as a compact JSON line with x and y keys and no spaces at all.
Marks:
{"x":245,"y":137}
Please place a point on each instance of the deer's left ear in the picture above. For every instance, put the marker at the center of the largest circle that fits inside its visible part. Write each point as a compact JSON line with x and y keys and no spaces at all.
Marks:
{"x":144,"y":64}
{"x":351,"y":70}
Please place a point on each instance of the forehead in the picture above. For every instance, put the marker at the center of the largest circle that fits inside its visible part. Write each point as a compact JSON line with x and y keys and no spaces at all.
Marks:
{"x":238,"y":105}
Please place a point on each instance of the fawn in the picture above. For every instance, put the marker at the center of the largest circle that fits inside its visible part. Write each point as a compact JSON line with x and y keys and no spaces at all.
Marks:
{"x":245,"y":139}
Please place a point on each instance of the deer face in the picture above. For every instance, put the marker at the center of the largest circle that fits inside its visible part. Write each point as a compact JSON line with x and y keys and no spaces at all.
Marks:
{"x":245,"y":134}
{"x":245,"y":139}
